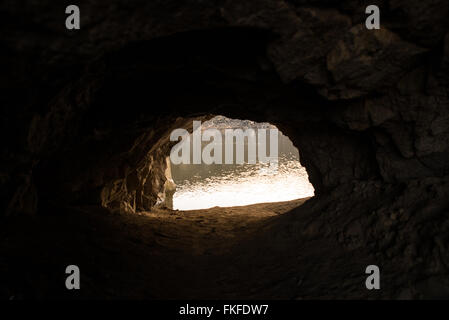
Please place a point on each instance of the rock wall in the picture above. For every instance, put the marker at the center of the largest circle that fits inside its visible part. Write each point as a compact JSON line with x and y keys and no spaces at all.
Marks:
{"x":85,"y":113}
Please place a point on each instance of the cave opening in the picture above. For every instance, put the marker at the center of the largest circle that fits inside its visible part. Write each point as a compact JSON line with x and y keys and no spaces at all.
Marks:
{"x":260,"y":174}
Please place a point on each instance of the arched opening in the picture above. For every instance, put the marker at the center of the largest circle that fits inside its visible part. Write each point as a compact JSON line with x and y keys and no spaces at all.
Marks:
{"x":227,"y":182}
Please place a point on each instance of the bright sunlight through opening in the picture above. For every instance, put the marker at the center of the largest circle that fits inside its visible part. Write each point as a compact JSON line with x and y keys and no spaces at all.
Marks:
{"x":201,"y":186}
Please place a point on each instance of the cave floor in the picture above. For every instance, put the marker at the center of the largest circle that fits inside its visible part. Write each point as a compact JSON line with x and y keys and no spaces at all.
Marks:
{"x":217,"y":253}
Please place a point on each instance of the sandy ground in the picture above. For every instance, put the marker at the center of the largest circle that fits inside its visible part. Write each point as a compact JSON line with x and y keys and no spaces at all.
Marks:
{"x":216,"y":230}
{"x":246,"y":252}
{"x":158,"y":254}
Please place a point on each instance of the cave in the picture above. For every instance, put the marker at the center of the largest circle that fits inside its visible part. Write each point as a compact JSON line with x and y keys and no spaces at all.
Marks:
{"x":86,"y":120}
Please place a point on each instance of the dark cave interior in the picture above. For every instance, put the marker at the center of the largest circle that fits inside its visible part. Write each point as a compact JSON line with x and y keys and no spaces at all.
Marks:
{"x":85,"y":124}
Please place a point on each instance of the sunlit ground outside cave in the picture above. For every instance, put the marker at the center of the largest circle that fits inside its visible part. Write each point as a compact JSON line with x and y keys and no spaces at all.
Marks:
{"x":202,"y":186}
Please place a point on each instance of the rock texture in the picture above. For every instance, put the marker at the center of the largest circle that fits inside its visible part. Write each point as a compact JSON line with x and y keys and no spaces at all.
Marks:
{"x":86,"y":114}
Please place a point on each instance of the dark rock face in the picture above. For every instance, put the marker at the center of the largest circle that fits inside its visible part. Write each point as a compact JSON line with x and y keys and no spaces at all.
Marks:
{"x":86,"y":114}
